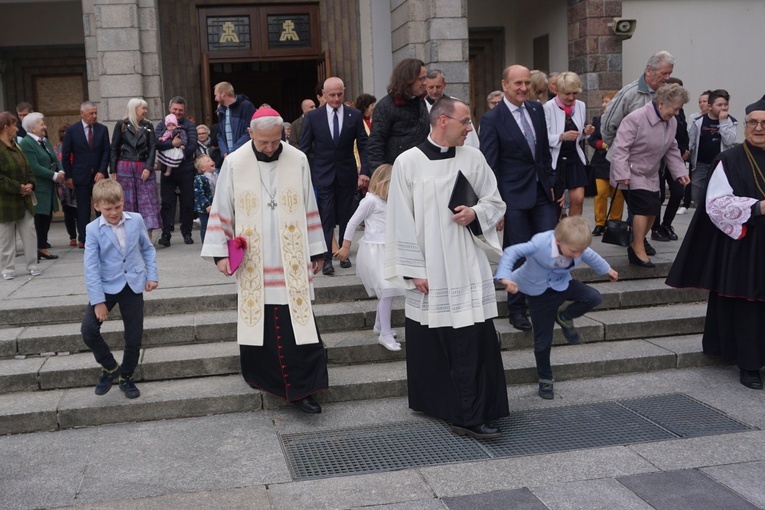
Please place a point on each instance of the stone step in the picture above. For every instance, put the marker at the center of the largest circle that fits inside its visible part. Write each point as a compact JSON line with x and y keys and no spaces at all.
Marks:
{"x":358,"y":347}
{"x":41,"y":306}
{"x":346,"y":316}
{"x":30,"y":411}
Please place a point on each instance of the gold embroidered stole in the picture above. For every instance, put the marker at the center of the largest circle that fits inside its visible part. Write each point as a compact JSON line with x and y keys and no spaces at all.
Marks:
{"x":293,"y":240}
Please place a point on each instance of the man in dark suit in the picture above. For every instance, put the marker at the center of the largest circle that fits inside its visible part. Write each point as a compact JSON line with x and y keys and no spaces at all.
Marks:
{"x":85,"y":157}
{"x":514,"y":141}
{"x":327,"y":137}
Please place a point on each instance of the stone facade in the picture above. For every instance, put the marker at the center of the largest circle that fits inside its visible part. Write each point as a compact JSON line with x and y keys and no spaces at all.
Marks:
{"x":122,"y":55}
{"x":435,"y":31}
{"x":594,"y":52}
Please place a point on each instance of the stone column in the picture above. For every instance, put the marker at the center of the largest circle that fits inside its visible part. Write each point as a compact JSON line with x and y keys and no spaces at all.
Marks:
{"x":121,"y":53}
{"x":435,"y":31}
{"x":594,"y":52}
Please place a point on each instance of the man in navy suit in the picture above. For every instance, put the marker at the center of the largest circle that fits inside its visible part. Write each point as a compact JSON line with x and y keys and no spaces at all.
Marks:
{"x":327,"y":137}
{"x":85,"y":157}
{"x":514,"y":141}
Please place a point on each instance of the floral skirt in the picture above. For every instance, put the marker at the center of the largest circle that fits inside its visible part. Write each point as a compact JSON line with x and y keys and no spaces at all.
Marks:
{"x":140,"y":196}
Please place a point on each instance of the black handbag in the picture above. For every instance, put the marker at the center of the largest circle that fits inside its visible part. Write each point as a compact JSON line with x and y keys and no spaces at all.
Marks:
{"x":591,"y":189}
{"x":617,"y":232}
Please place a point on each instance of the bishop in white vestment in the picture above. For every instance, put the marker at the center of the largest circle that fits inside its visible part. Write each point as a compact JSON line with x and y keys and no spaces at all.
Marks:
{"x":265,"y":196}
{"x":454,"y":367}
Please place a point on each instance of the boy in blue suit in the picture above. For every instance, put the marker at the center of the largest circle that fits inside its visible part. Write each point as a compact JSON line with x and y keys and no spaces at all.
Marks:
{"x":120,"y":263}
{"x":545,"y":278}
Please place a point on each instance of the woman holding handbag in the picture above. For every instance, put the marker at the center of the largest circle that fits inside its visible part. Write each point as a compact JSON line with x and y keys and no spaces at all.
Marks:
{"x":602,"y":175}
{"x":646,"y":137}
{"x":566,"y":127}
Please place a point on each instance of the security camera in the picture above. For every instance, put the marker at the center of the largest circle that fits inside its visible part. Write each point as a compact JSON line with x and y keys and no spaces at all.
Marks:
{"x":623,"y":27}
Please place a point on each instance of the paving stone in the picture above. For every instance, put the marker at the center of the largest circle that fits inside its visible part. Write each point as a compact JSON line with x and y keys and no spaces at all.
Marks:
{"x":37,"y":473}
{"x":19,"y":374}
{"x":238,"y":450}
{"x":420,"y":504}
{"x":704,"y":451}
{"x":190,"y":361}
{"x":518,"y":499}
{"x":350,"y":491}
{"x":245,"y":498}
{"x":29,"y":412}
{"x":744,"y":479}
{"x":533,"y":471}
{"x":680,"y":490}
{"x":604,"y":494}
{"x":688,"y":350}
{"x":8,"y":341}
{"x":158,"y":401}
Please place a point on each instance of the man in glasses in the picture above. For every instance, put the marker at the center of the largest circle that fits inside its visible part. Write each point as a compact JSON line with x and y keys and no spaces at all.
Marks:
{"x":723,"y":249}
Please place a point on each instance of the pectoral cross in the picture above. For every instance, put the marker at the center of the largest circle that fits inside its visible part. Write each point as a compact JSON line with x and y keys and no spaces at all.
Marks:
{"x":272,"y":204}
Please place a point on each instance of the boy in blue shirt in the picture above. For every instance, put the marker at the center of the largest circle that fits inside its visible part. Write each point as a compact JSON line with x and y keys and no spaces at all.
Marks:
{"x":120,"y":263}
{"x":545,"y":278}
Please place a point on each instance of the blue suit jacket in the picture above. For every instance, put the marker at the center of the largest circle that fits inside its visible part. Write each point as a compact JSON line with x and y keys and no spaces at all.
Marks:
{"x":508,"y":154}
{"x":86,"y":161}
{"x":328,"y":160}
{"x":108,"y":269}
{"x":539,"y":272}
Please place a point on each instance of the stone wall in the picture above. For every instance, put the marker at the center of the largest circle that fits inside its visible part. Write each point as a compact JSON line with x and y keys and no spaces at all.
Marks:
{"x":122,"y":57}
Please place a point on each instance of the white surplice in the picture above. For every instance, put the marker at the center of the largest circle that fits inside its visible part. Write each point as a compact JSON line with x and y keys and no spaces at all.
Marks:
{"x":424,"y":242}
{"x":270,"y":231}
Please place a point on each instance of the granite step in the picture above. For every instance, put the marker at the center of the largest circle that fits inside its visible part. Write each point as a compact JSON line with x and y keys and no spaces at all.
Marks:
{"x":30,"y":411}
{"x":358,"y":347}
{"x":349,"y":316}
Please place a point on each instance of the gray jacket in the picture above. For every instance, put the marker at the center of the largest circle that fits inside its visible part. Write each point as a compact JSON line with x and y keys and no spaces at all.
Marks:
{"x":630,"y":98}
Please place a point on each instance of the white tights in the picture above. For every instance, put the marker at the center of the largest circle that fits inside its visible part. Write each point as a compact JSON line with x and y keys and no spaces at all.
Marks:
{"x":382,"y":320}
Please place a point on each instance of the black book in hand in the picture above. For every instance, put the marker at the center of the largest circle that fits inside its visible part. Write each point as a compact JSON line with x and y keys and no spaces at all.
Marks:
{"x":464,"y":194}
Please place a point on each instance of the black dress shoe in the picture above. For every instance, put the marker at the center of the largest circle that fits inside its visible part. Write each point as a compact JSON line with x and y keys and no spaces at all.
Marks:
{"x":345,"y":264}
{"x":520,"y":321}
{"x":308,"y":405}
{"x":751,"y":379}
{"x":328,"y":268}
{"x":483,"y":431}
{"x":659,"y":234}
{"x":49,"y":256}
{"x":598,"y":231}
{"x":164,"y":240}
{"x":187,"y":239}
{"x":670,"y":232}
{"x":637,"y":261}
{"x":649,"y":250}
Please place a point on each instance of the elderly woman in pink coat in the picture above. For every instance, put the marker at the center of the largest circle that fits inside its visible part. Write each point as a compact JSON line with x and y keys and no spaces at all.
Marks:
{"x":646,"y":137}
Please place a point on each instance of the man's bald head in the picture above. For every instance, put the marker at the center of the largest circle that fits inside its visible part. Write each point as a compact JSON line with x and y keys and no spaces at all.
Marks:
{"x":334,"y":92}
{"x":516,"y":83}
{"x":307,"y":105}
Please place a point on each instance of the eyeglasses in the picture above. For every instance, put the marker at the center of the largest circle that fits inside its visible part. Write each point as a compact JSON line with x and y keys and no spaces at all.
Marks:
{"x":495,"y":103}
{"x":754,"y":124}
{"x":465,"y":122}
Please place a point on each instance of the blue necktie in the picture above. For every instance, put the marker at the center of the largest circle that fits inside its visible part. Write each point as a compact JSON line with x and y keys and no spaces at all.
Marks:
{"x":528,"y":133}
{"x":335,"y":127}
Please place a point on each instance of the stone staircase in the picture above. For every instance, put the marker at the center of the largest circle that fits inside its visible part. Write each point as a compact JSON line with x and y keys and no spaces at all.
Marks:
{"x":190,"y":365}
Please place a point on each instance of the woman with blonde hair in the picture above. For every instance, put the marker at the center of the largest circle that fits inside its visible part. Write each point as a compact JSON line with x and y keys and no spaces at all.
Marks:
{"x":133,"y":156}
{"x":371,"y":258}
{"x":538,"y":86}
{"x":566,"y":118}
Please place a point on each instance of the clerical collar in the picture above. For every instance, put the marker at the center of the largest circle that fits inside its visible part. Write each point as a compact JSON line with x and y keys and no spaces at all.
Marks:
{"x":434,"y":151}
{"x":262,"y":157}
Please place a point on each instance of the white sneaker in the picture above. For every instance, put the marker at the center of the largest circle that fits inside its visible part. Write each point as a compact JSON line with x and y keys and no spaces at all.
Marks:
{"x":35,"y":272}
{"x":682,"y":210}
{"x":377,"y":330}
{"x":389,"y":343}
{"x":8,"y":276}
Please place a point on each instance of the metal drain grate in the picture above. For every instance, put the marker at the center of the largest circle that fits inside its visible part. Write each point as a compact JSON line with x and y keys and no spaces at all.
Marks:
{"x":374,"y":449}
{"x":683,"y":415}
{"x":571,"y":428}
{"x":532,"y":432}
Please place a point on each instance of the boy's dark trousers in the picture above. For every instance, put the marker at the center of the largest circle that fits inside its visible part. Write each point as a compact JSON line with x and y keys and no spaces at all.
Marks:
{"x":131,"y":309}
{"x":544,"y":308}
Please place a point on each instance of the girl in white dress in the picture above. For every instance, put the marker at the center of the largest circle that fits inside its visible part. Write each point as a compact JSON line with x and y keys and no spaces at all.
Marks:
{"x":370,"y":259}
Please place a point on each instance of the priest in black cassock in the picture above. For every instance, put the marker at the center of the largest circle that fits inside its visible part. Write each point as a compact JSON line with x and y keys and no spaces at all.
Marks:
{"x":453,"y":362}
{"x":724,"y":252}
